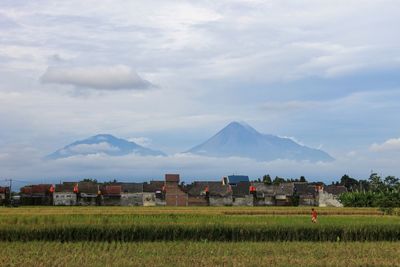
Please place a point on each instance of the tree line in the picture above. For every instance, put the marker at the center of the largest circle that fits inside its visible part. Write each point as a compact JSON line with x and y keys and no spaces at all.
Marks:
{"x":372,"y":192}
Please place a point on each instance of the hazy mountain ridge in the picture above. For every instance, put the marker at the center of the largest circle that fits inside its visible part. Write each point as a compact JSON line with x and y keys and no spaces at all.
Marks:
{"x":241,"y":140}
{"x":104,"y":143}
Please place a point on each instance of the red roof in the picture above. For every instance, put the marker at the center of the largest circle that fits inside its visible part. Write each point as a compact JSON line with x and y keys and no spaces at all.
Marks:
{"x":40,"y":188}
{"x":3,"y":190}
{"x":112,"y":190}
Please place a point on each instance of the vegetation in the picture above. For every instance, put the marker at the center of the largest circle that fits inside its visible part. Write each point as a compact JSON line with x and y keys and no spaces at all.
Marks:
{"x":212,"y":224}
{"x":376,"y":192}
{"x":199,"y":254}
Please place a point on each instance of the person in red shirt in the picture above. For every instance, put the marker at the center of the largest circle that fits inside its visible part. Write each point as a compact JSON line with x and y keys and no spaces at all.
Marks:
{"x":313,"y":215}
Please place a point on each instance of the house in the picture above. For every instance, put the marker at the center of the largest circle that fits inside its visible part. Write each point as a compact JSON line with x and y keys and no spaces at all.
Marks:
{"x":329,"y":196}
{"x":306,"y":194}
{"x":265,"y":194}
{"x":39,"y":194}
{"x":209,"y":194}
{"x":64,"y":194}
{"x":241,"y":194}
{"x":175,"y":194}
{"x":89,"y":194}
{"x":154,"y":193}
{"x":132,"y":194}
{"x":4,"y":194}
{"x":284,"y":193}
{"x":235,"y":179}
{"x":335,"y":190}
{"x":110,"y":195}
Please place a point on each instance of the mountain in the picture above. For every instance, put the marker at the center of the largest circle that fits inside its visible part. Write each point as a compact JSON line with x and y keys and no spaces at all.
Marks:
{"x":241,"y":140}
{"x":103,"y":143}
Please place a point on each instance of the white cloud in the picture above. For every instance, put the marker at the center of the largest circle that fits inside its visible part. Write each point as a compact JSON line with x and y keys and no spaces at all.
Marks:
{"x":143,"y":141}
{"x":389,"y":145}
{"x":97,"y":77}
{"x":191,"y":167}
{"x":93,"y":148}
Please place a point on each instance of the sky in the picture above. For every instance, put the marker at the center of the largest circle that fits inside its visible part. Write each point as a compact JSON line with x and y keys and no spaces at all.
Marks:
{"x":169,"y":74}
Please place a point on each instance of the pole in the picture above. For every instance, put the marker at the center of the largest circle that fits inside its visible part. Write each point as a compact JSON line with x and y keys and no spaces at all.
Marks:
{"x":9,"y":190}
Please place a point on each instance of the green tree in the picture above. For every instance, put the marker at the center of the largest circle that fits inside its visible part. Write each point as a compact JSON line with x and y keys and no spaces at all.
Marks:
{"x":303,"y":179}
{"x":350,"y":183}
{"x":375,"y":183}
{"x":391,"y":182}
{"x":278,"y":180}
{"x":267,"y":179}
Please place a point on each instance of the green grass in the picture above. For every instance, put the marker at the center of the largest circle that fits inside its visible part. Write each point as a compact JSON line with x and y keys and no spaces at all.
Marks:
{"x":173,"y":224}
{"x":199,"y":254}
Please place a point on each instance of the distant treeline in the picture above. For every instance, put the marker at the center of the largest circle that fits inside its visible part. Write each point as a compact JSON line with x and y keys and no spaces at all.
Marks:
{"x":372,"y":192}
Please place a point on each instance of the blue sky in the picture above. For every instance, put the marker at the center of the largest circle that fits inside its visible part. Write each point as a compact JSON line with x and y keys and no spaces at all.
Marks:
{"x":172,"y":73}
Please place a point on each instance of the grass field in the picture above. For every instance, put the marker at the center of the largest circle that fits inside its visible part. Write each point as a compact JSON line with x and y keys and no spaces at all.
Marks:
{"x":197,"y":236}
{"x":199,"y":254}
{"x":194,"y":224}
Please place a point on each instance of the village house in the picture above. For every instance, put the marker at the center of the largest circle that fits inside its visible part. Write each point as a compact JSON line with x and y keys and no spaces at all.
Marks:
{"x":4,"y":192}
{"x":110,"y":195}
{"x":284,"y":194}
{"x":175,"y":194}
{"x":154,"y":193}
{"x":335,"y":190}
{"x":233,"y":180}
{"x":89,"y":194}
{"x":209,"y":194}
{"x":328,"y":196}
{"x":306,"y":194}
{"x":241,"y":195}
{"x":64,"y":194}
{"x":265,"y":194}
{"x":132,"y":194}
{"x":39,"y":194}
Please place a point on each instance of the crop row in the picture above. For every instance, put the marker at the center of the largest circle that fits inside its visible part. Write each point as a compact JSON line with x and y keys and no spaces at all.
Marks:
{"x":199,"y":254}
{"x":201,"y":232}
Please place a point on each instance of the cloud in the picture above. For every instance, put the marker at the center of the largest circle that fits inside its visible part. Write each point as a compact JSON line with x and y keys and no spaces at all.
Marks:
{"x":143,"y":141}
{"x":98,"y":77}
{"x":25,"y":163}
{"x":389,"y":145}
{"x":92,"y":148}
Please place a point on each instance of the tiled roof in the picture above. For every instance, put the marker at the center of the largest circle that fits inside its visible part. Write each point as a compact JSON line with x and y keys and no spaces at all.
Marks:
{"x":111,"y":190}
{"x":285,"y":189}
{"x":153,"y":186}
{"x":214,"y":189}
{"x":241,"y":189}
{"x":263,"y":189}
{"x":88,"y":187}
{"x":65,"y":187}
{"x":132,"y":187}
{"x":304,"y":189}
{"x":3,"y":190}
{"x":335,"y":189}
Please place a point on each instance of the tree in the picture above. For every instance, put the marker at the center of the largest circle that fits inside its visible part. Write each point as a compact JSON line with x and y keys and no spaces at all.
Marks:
{"x":350,"y":183}
{"x":391,"y":182}
{"x":376,"y":183}
{"x":278,"y":180}
{"x":267,"y":179}
{"x":90,"y":180}
{"x":303,"y":179}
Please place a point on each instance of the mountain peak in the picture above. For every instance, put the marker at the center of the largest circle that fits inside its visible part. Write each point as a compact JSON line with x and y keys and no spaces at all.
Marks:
{"x":239,"y":126}
{"x":238,"y":139}
{"x":104,"y":144}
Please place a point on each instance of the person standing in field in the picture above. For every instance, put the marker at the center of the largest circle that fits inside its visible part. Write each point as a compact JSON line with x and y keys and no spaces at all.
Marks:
{"x":313,"y":215}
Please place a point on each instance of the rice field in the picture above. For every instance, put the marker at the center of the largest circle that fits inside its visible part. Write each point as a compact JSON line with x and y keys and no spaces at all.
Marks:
{"x":199,"y":254}
{"x":197,"y":236}
{"x":132,"y":224}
